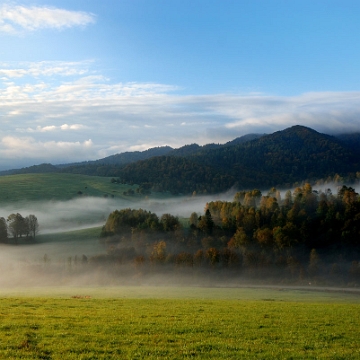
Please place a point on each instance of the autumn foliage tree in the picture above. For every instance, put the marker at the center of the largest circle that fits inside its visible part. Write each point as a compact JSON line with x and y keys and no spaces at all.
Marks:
{"x":255,"y":233}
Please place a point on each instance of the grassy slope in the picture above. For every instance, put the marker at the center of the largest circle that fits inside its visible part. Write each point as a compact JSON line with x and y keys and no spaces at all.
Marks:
{"x":57,"y":247}
{"x":236,"y":325}
{"x":69,"y":244}
{"x":34,"y":187}
{"x":78,"y":235}
{"x":31,"y":189}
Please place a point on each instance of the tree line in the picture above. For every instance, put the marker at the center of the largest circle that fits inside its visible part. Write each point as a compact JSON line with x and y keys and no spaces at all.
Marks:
{"x":305,"y":235}
{"x":16,"y":226}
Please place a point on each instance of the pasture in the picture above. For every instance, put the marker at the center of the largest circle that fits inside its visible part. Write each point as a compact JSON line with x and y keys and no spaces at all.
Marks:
{"x":178,"y":323}
{"x":56,"y":247}
{"x":146,"y":322}
{"x":35,"y":187}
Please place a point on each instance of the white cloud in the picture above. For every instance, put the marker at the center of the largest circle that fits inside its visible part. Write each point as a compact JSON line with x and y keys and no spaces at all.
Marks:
{"x":51,"y":128}
{"x":72,"y":127}
{"x":43,"y":68}
{"x":122,"y":117}
{"x":28,"y":148}
{"x":46,"y":128}
{"x":329,"y":112}
{"x":15,"y":18}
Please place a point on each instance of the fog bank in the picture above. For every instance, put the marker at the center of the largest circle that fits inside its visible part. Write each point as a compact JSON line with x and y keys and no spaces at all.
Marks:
{"x":80,"y":213}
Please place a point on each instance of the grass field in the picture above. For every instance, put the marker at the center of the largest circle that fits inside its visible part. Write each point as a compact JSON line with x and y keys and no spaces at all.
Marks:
{"x":64,"y":202}
{"x":178,"y":323}
{"x":59,"y":246}
{"x":35,"y":187}
{"x":78,"y":236}
{"x":144,"y":322}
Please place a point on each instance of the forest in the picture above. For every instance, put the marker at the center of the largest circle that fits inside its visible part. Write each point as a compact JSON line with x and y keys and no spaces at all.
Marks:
{"x":306,"y":236}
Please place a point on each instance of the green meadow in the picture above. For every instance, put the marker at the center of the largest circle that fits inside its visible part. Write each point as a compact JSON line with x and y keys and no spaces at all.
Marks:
{"x":69,"y":243}
{"x":84,"y":235}
{"x":35,"y":187}
{"x":149,"y":322}
{"x":178,"y":323}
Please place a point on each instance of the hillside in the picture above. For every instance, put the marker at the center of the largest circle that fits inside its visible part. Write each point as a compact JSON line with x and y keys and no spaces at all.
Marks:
{"x":35,"y":187}
{"x":279,"y":159}
{"x":126,"y":157}
{"x":295,"y":153}
{"x":351,"y":140}
{"x":109,"y":165}
{"x":253,"y":161}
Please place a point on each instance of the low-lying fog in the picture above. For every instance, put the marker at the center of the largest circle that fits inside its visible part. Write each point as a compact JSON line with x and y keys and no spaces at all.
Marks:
{"x":88,"y":212}
{"x":16,"y":262}
{"x":58,"y":216}
{"x":80,"y":213}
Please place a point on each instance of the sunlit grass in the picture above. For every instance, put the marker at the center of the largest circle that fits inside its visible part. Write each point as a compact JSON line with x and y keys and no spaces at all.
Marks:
{"x":87,"y":327}
{"x":36,"y":187}
{"x":241,"y":292}
{"x":30,"y":187}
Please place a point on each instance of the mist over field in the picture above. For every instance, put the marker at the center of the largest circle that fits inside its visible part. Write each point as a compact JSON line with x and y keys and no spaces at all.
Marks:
{"x":85,"y":212}
{"x":50,"y":261}
{"x":23,"y":264}
{"x":80,"y":213}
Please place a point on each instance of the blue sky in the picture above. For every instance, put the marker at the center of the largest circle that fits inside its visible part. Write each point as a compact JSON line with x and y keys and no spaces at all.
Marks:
{"x":82,"y":80}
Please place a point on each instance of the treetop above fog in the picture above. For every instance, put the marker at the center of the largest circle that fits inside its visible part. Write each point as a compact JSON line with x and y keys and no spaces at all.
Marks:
{"x":307,"y":232}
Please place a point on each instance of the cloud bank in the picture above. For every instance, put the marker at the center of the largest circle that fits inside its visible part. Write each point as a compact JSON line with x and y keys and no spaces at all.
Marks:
{"x":18,"y":18}
{"x":49,"y":111}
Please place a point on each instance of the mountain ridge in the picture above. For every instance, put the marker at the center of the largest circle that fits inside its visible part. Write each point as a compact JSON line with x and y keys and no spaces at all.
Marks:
{"x":284,"y":157}
{"x":128,"y":156}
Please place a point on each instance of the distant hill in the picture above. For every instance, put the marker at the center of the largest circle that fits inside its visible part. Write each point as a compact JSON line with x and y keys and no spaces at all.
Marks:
{"x":126,"y":157}
{"x":117,"y":159}
{"x":35,"y":169}
{"x":282,"y":158}
{"x":93,"y":167}
{"x":244,"y":139}
{"x":193,"y":149}
{"x":253,"y":161}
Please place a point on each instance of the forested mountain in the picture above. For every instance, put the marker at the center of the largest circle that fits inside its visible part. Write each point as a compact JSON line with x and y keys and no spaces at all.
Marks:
{"x":177,"y":175}
{"x":295,"y":153}
{"x":126,"y":157}
{"x":255,"y":161}
{"x":351,"y":140}
{"x":186,"y":150}
{"x":35,"y":169}
{"x":244,"y":139}
{"x":195,"y":149}
{"x":279,"y":159}
{"x":192,"y":149}
{"x":95,"y":167}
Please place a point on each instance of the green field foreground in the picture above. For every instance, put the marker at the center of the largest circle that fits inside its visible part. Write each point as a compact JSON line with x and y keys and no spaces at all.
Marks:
{"x":178,"y":323}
